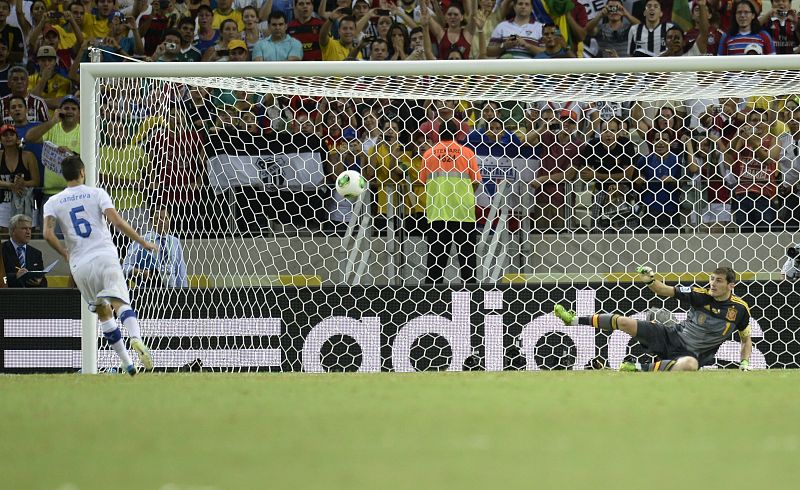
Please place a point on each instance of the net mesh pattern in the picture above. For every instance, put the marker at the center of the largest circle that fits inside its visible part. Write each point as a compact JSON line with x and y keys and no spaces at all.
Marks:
{"x":583,"y":177}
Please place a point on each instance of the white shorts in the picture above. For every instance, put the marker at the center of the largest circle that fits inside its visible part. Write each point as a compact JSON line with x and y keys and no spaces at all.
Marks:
{"x":101,"y":278}
{"x":718,"y":212}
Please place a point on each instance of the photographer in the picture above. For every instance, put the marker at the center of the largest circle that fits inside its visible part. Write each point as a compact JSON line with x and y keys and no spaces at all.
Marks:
{"x":610,"y":30}
{"x":781,"y":24}
{"x":170,"y":49}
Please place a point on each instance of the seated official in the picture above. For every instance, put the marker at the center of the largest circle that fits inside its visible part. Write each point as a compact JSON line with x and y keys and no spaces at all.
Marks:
{"x":19,"y":257}
{"x":162,"y":269}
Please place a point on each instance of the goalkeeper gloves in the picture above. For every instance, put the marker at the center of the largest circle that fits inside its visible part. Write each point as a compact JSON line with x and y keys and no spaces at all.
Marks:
{"x":646,"y":274}
{"x":744,"y":365}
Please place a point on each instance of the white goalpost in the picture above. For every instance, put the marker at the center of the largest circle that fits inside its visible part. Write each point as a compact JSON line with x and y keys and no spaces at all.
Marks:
{"x":279,"y":274}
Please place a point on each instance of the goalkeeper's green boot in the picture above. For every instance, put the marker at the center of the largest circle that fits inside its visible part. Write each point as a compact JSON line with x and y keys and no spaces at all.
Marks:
{"x":564,"y":315}
{"x":144,"y":353}
{"x":628,"y":367}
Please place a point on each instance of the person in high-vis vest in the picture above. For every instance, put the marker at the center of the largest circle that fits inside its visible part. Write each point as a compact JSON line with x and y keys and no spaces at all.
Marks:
{"x":451,"y":176}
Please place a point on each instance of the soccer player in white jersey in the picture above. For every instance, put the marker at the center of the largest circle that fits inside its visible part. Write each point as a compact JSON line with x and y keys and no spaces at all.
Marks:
{"x":93,"y":258}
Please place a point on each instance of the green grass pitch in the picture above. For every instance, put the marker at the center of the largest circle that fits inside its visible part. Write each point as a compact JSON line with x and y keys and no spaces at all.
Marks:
{"x":712,"y":429}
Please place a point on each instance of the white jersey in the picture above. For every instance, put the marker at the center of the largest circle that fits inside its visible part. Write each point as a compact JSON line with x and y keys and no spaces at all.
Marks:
{"x":79,"y":211}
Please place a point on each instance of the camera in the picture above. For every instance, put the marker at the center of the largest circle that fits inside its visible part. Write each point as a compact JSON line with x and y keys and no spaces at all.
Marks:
{"x":345,"y":11}
{"x":782,"y":13}
{"x":164,"y":4}
{"x":613,"y":9}
{"x":55,"y":15}
{"x":383,"y":12}
{"x":171,"y":46}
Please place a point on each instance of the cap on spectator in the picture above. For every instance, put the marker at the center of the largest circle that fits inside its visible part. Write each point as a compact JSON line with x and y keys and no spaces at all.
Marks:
{"x":349,"y":133}
{"x":69,"y":98}
{"x":7,"y":127}
{"x":753,"y":48}
{"x":118,"y":15}
{"x":568,"y":114}
{"x":46,"y":52}
{"x":237,"y":44}
{"x":47,"y":30}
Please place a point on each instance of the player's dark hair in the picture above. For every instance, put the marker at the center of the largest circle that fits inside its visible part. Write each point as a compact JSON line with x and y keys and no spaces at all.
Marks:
{"x":729,"y":273}
{"x":71,"y":167}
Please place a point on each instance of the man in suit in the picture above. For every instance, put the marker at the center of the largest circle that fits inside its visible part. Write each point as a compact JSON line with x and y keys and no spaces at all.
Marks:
{"x":19,"y":257}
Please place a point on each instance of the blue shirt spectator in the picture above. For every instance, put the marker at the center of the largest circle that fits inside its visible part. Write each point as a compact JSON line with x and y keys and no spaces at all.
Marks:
{"x":278,"y":46}
{"x":661,"y":170}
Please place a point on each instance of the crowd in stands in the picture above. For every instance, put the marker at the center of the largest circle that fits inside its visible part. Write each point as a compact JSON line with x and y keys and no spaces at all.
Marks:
{"x":642,"y":165}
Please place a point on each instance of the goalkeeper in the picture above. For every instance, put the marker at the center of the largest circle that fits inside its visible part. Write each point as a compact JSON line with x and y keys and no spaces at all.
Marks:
{"x":714,"y":314}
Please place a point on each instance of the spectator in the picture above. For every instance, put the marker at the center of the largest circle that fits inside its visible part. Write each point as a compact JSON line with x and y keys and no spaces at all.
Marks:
{"x":716,"y":176}
{"x":676,"y":41}
{"x":490,"y":144}
{"x":170,"y":49}
{"x":224,"y":12}
{"x":649,"y":38}
{"x":714,"y":35}
{"x":609,"y":168}
{"x":11,"y":36}
{"x":378,"y":49}
{"x":278,"y":46}
{"x":165,"y":268}
{"x":252,"y":33}
{"x":454,"y":35}
{"x":554,"y":44}
{"x":346,"y":154}
{"x":609,"y":29}
{"x":19,"y":174}
{"x":228,"y":33}
{"x":399,"y":42}
{"x":745,"y":35}
{"x":19,"y":256}
{"x":789,"y":189}
{"x":124,"y":165}
{"x":753,"y":157}
{"x":154,"y":25}
{"x":188,"y":52}
{"x":389,"y":162}
{"x":207,"y":36}
{"x":440,"y":113}
{"x":781,"y":23}
{"x":118,"y":41}
{"x":5,"y":68}
{"x":237,"y":51}
{"x":517,"y":37}
{"x":47,"y":83}
{"x":18,"y":85}
{"x":658,"y":174}
{"x":63,"y":131}
{"x":65,"y":40}
{"x":96,"y":24}
{"x":306,"y":29}
{"x":560,"y":146}
{"x":451,"y":177}
{"x":338,"y":49}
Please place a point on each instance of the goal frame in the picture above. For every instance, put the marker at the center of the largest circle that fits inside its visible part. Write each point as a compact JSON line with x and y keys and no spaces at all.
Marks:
{"x":90,"y":115}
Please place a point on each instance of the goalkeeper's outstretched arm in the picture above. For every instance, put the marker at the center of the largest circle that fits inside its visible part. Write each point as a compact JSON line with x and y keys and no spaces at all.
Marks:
{"x":646,"y":276}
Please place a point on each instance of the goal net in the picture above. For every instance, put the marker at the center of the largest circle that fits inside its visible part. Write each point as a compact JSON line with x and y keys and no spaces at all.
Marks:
{"x":587,"y":169}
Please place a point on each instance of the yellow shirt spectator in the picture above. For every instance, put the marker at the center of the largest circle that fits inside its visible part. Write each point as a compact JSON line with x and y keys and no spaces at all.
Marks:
{"x":334,"y":51}
{"x":53,"y":182}
{"x":234,"y":15}
{"x":95,"y":26}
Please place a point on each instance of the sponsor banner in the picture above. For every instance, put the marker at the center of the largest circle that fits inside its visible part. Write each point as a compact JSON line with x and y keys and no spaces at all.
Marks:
{"x":372,"y":329}
{"x":303,"y":171}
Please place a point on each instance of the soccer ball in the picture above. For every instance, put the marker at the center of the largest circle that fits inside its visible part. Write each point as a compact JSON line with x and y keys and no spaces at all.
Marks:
{"x":350,"y":184}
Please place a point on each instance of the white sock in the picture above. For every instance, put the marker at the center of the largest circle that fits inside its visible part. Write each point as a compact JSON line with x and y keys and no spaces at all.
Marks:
{"x":108,"y":327}
{"x":127,"y":316}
